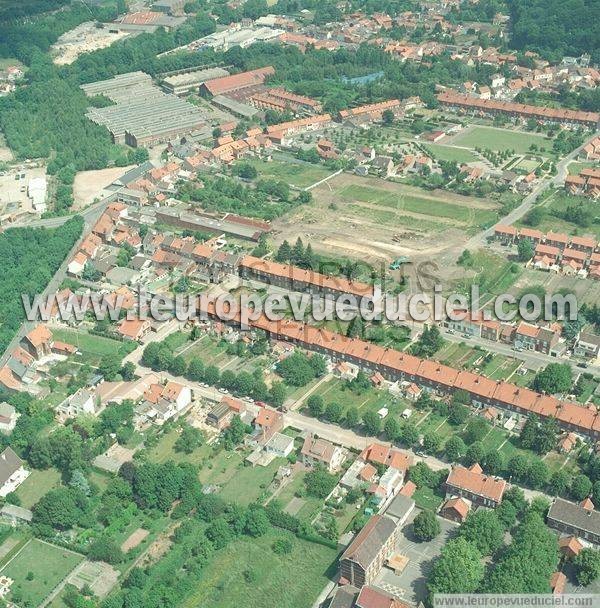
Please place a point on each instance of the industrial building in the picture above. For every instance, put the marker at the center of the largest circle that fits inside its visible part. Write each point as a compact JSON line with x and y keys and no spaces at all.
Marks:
{"x":229,"y":84}
{"x":187,"y":81}
{"x":142,"y":115}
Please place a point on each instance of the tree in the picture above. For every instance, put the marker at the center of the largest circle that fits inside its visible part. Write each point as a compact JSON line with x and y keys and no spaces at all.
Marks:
{"x":554,"y":378}
{"x":459,"y":568}
{"x":392,"y":428}
{"x":334,"y":412}
{"x":219,"y":532}
{"x":234,"y":433}
{"x":559,"y":483}
{"x":282,"y":546}
{"x":319,"y":483}
{"x":483,"y":529}
{"x":257,"y":522}
{"x":429,"y":342}
{"x":277,"y":394}
{"x":128,"y":371}
{"x":315,"y":405}
{"x":475,"y":453}
{"x":388,"y":117}
{"x":587,"y":566}
{"x":455,"y":447}
{"x":426,"y":526}
{"x":537,"y":473}
{"x":409,"y":435}
{"x":195,"y":371}
{"x":284,"y":253}
{"x":581,"y":487}
{"x":528,"y":562}
{"x":457,"y":413}
{"x":431,"y":442}
{"x":352,"y":418}
{"x":525,"y":250}
{"x":104,"y":549}
{"x":109,"y":367}
{"x":493,"y":463}
{"x":296,"y":369}
{"x":477,"y":429}
{"x":189,"y":439}
{"x":178,"y":366}
{"x":372,"y":423}
{"x":60,"y":508}
{"x":507,"y":514}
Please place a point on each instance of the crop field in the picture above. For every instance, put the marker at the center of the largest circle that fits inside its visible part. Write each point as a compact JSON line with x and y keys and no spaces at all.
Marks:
{"x":370,"y":219}
{"x":501,"y":139}
{"x":289,"y":581}
{"x":295,"y":174}
{"x":37,"y":569}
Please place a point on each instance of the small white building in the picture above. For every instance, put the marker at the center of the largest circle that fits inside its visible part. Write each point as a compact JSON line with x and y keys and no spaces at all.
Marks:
{"x":280,"y":445}
{"x":37,"y":192}
{"x":8,"y":418}
{"x":12,"y":472}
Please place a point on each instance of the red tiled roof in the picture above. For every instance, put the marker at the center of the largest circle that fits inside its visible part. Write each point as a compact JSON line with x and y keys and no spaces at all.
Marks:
{"x":472,"y":481}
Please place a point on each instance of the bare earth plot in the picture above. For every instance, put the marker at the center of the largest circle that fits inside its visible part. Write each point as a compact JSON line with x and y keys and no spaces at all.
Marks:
{"x":371,"y":219}
{"x":88,"y":185}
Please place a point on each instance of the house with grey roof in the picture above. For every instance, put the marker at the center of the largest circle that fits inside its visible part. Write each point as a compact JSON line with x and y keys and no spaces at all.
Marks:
{"x":366,"y":555}
{"x":575,"y":519}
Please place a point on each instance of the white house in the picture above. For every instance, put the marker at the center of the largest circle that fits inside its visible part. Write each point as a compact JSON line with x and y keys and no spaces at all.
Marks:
{"x":8,"y":418}
{"x":81,"y":402}
{"x":12,"y":472}
{"x":587,"y":345}
{"x":77,"y":264}
{"x":36,"y":190}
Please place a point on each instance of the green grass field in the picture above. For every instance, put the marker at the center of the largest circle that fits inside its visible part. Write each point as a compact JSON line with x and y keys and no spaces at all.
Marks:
{"x":93,"y":347}
{"x":300,"y":175}
{"x":450,"y":153}
{"x":410,"y":200}
{"x":48,"y":564}
{"x":36,"y":485}
{"x":288,"y":581}
{"x":501,"y":139}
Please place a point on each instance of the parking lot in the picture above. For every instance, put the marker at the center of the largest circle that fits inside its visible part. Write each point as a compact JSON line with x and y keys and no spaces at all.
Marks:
{"x":410,"y":584}
{"x":13,"y":192}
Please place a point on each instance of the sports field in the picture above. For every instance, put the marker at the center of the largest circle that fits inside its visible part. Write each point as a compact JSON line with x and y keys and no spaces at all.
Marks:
{"x":501,"y":139}
{"x":450,"y":153}
{"x":37,"y":569}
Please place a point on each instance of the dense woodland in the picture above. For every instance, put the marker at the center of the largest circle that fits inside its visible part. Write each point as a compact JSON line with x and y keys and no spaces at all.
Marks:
{"x":556,"y":28}
{"x":30,"y":257}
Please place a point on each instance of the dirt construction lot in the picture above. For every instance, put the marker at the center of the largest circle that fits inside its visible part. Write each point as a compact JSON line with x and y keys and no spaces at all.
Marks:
{"x":373,"y":219}
{"x":89,"y":185}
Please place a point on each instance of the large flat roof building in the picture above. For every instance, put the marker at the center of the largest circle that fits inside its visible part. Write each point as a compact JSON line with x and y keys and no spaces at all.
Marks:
{"x":142,"y":115}
{"x":187,"y":81}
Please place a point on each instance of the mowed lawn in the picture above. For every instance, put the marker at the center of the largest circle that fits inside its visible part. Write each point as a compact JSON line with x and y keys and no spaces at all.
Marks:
{"x":93,"y":347}
{"x":450,"y":153}
{"x":48,"y":564}
{"x":36,"y":485}
{"x":248,"y":573}
{"x":501,"y":139}
{"x":300,"y":175}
